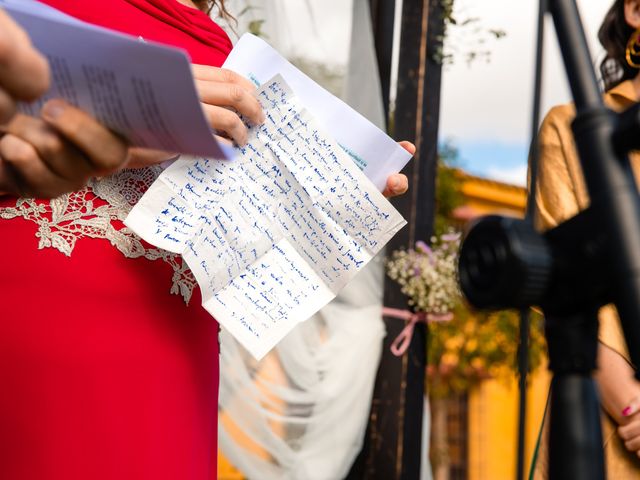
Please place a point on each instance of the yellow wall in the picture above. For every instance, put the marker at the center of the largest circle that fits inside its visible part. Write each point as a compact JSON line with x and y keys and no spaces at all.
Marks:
{"x":484,"y":196}
{"x":493,"y":426}
{"x":493,"y":406}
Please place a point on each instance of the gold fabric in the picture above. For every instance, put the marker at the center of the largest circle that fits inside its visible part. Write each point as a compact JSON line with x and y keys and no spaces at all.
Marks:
{"x":560,"y":194}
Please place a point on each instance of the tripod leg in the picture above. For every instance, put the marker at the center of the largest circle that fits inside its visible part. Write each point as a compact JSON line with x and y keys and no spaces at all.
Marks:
{"x":575,"y":435}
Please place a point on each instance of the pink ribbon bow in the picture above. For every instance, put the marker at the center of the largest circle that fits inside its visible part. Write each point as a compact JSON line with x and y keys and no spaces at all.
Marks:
{"x":403,"y":340}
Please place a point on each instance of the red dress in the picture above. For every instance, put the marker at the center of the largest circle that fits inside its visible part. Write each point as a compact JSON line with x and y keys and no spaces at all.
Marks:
{"x":103,"y":373}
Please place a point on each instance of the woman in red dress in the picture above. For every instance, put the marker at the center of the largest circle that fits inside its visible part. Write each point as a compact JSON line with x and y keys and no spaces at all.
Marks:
{"x":102,"y":376}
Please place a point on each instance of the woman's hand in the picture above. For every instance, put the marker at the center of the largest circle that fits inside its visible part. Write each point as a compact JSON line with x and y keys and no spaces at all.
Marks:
{"x":398,"y":184}
{"x":224,"y":96}
{"x":24,"y":72}
{"x":630,"y":430}
{"x":619,"y":394}
{"x":57,"y":153}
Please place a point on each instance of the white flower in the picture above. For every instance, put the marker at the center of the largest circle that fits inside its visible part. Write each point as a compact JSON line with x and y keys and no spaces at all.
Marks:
{"x":428,"y":274}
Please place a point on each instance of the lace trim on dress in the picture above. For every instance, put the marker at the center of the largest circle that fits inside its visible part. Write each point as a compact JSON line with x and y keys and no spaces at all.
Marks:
{"x":70,"y":217}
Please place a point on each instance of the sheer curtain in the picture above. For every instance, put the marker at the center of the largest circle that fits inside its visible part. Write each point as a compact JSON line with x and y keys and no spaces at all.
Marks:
{"x":301,"y":413}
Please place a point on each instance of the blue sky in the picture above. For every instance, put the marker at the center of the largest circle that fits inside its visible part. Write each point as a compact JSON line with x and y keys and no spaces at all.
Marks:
{"x":506,"y":162}
{"x":486,"y":106}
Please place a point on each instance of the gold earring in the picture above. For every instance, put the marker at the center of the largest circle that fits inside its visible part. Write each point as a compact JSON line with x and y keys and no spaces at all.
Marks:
{"x":632,"y":52}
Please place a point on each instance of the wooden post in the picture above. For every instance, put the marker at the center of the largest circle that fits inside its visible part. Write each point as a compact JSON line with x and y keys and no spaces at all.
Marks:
{"x":392,"y":449}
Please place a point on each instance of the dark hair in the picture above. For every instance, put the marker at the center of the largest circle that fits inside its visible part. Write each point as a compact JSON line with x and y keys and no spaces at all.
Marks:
{"x":207,"y":6}
{"x":614,"y":34}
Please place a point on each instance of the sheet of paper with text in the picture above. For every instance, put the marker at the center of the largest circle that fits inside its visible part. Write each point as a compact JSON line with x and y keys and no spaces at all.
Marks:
{"x":373,"y":151}
{"x":142,"y":90}
{"x":273,"y":235}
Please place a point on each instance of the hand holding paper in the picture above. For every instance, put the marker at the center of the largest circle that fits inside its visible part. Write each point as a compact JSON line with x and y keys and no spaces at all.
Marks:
{"x":219,"y":88}
{"x":141,"y":90}
{"x":377,"y":155}
{"x":272,"y":236}
{"x":57,"y":153}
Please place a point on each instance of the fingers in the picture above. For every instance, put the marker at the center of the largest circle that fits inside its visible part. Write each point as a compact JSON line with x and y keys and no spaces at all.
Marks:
{"x":225,"y":95}
{"x":397,"y":184}
{"x":104,"y":150}
{"x":630,"y":434}
{"x":231,"y":95}
{"x":8,"y":106}
{"x":45,"y":157}
{"x":632,"y":408}
{"x":222,"y":75}
{"x":408,"y":146}
{"x":23,"y":173}
{"x":143,"y":157}
{"x":226,"y":121}
{"x":59,"y":156}
{"x":24,"y":73}
{"x":629,"y":431}
{"x":224,"y":140}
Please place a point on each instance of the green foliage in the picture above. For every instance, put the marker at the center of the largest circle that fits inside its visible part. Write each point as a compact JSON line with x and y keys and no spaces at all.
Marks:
{"x":448,"y":195}
{"x":475,"y":346}
{"x":464,"y":37}
{"x":255,"y":27}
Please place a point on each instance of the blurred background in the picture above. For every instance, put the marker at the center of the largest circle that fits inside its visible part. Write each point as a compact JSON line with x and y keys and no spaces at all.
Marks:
{"x":465,"y":419}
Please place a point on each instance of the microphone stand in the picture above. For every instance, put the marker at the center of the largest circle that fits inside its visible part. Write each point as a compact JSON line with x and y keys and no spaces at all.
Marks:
{"x":574,"y":269}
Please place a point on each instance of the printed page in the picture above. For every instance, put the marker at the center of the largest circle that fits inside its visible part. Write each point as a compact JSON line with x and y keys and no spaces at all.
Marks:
{"x":373,"y":151}
{"x":273,"y":235}
{"x":144,"y":91}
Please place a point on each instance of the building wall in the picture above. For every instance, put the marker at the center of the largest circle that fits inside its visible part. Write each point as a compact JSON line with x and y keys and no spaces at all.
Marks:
{"x":493,"y":426}
{"x":493,"y":406}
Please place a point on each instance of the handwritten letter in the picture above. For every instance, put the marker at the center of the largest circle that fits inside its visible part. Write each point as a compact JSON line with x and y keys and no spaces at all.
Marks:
{"x":272,"y":236}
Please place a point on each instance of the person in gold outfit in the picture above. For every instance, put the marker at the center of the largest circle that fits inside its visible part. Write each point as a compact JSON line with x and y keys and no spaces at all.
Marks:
{"x":560,"y":194}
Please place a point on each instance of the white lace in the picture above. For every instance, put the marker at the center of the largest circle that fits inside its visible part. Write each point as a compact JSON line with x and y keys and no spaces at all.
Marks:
{"x":70,"y":217}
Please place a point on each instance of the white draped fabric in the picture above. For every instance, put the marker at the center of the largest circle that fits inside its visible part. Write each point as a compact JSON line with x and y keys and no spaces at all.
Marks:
{"x":301,"y":413}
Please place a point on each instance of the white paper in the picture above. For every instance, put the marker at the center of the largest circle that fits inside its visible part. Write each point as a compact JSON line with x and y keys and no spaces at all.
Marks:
{"x":376,"y":153}
{"x":144,"y":91}
{"x":272,"y":236}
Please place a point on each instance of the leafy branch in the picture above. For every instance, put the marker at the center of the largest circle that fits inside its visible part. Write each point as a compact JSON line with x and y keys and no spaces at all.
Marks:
{"x":464,"y":36}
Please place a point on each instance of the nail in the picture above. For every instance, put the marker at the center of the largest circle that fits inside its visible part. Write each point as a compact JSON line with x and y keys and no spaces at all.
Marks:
{"x":53,"y":109}
{"x":626,"y":412}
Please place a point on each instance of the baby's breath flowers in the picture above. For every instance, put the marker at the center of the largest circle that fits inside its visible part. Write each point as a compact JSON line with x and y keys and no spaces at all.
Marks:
{"x":471,"y":346}
{"x":427,"y":274}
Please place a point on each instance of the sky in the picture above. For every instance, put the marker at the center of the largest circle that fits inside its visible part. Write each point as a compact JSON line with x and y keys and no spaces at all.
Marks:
{"x":486,"y":106}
